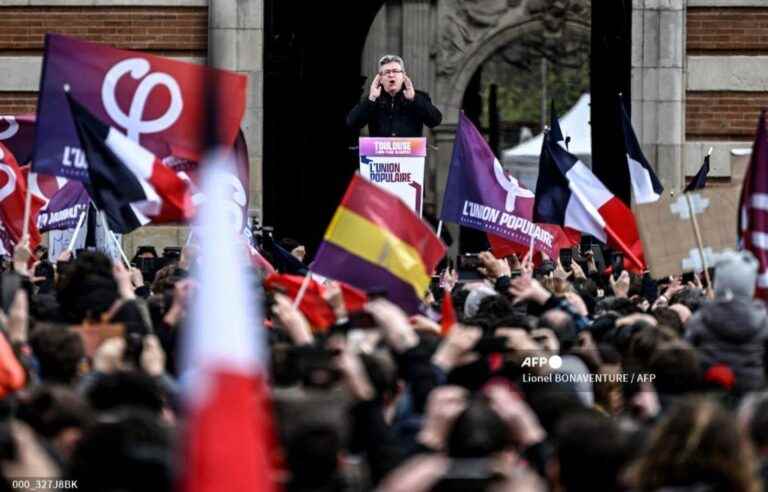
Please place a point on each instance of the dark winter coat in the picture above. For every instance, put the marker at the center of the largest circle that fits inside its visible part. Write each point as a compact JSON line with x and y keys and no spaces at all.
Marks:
{"x":395,"y":116}
{"x":732,"y":332}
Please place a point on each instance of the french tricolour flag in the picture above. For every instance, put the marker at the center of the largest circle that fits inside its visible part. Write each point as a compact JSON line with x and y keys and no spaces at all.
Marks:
{"x":568,"y":194}
{"x":646,"y":187}
{"x":228,"y":440}
{"x":127,"y":181}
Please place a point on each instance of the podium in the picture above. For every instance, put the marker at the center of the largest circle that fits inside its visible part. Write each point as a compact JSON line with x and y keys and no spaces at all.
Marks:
{"x":397,"y":165}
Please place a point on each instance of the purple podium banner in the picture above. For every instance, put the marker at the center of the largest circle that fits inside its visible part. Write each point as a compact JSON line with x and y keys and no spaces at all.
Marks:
{"x":397,"y":165}
{"x":380,"y":146}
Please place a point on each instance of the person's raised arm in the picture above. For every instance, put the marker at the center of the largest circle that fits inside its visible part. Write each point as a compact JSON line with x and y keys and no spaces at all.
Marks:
{"x":395,"y":327}
{"x":358,"y":117}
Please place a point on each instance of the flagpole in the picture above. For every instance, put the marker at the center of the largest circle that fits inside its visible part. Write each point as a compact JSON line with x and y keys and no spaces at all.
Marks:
{"x":439,"y":228}
{"x":302,"y":290}
{"x":623,"y":246}
{"x":114,"y":238}
{"x":120,"y":248}
{"x":530,"y":249}
{"x":27,"y":211}
{"x":699,"y":241}
{"x":77,"y":230}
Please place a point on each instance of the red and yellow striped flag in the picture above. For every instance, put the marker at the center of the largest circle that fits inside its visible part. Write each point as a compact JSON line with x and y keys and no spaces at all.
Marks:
{"x":375,"y":242}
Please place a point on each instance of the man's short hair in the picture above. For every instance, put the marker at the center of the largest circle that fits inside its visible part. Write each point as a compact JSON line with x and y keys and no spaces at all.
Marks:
{"x":59,"y":352}
{"x":391,"y":59}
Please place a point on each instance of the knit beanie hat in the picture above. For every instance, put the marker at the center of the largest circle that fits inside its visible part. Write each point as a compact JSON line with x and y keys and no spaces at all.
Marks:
{"x":735,"y":274}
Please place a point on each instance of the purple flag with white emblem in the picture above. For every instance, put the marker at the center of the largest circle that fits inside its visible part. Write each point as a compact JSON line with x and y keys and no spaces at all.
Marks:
{"x":753,"y":207}
{"x":480,"y":195}
{"x":155,"y":101}
{"x":18,"y":134}
{"x":64,"y":209}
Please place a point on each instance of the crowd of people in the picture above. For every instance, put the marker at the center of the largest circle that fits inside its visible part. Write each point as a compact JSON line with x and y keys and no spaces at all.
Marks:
{"x":553,"y":377}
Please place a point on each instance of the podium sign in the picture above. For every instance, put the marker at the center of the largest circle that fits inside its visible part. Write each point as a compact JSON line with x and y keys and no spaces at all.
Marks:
{"x":397,"y":165}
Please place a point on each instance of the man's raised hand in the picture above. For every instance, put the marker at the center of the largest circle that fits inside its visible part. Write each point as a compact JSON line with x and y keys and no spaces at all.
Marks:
{"x":375,"y":88}
{"x":410,"y":91}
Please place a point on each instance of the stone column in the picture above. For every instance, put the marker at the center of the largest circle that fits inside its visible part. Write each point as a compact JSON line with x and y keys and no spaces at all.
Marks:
{"x":658,"y":47}
{"x":235,"y":42}
{"x":375,"y":45}
{"x":444,"y":138}
{"x":416,"y":37}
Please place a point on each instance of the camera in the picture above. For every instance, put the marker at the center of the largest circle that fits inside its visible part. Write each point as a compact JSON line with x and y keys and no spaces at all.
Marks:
{"x":171,"y":253}
{"x":468,"y":262}
{"x":147,"y":266}
{"x":617,"y":264}
{"x":467,"y":266}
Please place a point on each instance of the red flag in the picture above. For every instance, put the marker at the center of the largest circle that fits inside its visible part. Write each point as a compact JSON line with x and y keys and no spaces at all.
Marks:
{"x":155,"y":101}
{"x":258,"y":261}
{"x":43,"y":186}
{"x":12,"y":375}
{"x":563,"y":238}
{"x":228,"y":437}
{"x":315,"y":308}
{"x":753,"y":207}
{"x":17,"y":132}
{"x":449,"y":313}
{"x":13,"y":192}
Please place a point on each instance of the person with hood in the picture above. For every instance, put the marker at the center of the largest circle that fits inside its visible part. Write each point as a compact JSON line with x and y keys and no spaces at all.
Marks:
{"x":732,"y":330}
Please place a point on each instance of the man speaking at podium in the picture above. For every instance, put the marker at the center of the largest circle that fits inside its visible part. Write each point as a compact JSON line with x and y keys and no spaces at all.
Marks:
{"x":394,"y":108}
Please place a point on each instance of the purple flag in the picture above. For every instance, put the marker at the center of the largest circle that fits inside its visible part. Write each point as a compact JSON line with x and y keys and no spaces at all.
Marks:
{"x":753,"y":220}
{"x":156,"y":101}
{"x":64,"y":209}
{"x":18,"y":134}
{"x":481,"y":196}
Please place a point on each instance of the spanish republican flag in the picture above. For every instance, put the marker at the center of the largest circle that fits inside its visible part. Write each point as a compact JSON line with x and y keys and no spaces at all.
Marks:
{"x":376,"y":243}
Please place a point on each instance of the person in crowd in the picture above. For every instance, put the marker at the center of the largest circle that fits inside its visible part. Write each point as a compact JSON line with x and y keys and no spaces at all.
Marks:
{"x":733,"y":329}
{"x":698,"y":446}
{"x":547,"y":381}
{"x":43,"y":271}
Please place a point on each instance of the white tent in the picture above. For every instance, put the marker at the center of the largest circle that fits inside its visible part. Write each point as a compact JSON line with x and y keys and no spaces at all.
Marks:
{"x":522,"y":161}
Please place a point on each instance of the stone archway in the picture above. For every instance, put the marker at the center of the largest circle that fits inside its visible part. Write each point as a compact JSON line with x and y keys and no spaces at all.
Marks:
{"x":445,"y":42}
{"x":471,"y":32}
{"x":451,"y":87}
{"x":469,"y":38}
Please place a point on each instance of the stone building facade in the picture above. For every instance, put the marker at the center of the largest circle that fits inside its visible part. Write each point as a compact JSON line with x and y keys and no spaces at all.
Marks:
{"x":227,"y":33}
{"x":698,"y":67}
